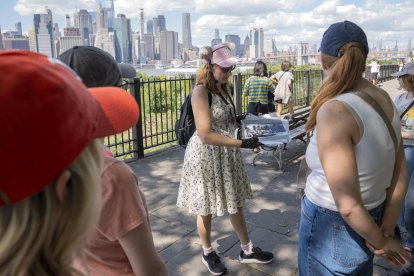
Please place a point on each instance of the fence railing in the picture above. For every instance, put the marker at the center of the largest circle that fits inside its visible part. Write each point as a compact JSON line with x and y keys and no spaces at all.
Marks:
{"x":160,"y":101}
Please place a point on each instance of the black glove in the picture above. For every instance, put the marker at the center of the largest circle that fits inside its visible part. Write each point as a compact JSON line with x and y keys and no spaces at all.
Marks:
{"x":250,"y":143}
{"x":240,"y":117}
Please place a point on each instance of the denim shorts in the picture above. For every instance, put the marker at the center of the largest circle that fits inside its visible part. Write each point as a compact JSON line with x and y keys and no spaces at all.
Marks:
{"x":256,"y":107}
{"x":329,"y":246}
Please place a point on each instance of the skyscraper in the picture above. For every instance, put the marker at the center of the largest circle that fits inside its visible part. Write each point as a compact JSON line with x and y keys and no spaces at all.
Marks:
{"x":150,"y":26}
{"x":104,"y":39}
{"x":256,"y":43}
{"x":168,"y":46}
{"x":1,"y":40}
{"x":123,"y":39}
{"x":18,"y":27}
{"x":187,"y":31}
{"x":235,"y":39}
{"x":162,"y":25}
{"x":216,"y":40}
{"x":149,"y":45}
{"x":67,"y":21}
{"x":409,"y":45}
{"x":142,"y":59}
{"x":110,"y":15}
{"x":43,"y":25}
{"x":32,"y":39}
{"x":83,"y":21}
{"x":100,"y":18}
{"x":269,"y":46}
{"x":68,"y":42}
{"x":156,"y":28}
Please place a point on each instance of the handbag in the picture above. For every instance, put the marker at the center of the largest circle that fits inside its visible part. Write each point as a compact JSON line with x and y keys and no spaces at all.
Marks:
{"x":279,"y":96}
{"x":406,"y":141}
{"x":373,"y":103}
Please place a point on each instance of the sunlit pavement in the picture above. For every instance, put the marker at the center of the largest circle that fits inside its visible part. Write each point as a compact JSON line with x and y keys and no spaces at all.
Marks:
{"x":272,"y":216}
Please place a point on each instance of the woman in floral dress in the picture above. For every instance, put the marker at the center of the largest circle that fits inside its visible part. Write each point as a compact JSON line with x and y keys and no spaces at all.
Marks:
{"x":214,"y":178}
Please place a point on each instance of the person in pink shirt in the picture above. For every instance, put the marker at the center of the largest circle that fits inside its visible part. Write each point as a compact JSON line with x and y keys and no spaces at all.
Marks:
{"x":51,"y":161}
{"x":122,"y":242}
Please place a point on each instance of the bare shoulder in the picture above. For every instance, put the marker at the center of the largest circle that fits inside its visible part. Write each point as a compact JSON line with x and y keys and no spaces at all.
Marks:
{"x":333,"y":110}
{"x":336,"y":116}
{"x":199,"y":92}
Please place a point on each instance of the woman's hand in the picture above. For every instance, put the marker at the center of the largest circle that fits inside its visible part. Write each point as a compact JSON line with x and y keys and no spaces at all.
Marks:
{"x":392,"y":252}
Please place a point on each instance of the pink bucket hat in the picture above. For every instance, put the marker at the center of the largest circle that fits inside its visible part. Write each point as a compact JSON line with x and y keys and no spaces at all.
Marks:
{"x":222,"y":56}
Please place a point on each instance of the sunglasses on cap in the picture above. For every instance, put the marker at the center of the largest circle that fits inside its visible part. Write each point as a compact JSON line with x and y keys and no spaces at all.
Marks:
{"x":124,"y":83}
{"x":227,"y":69}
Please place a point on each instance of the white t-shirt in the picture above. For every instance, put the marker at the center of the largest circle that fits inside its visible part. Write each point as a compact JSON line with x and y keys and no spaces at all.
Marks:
{"x":374,"y":67}
{"x":375,"y":157}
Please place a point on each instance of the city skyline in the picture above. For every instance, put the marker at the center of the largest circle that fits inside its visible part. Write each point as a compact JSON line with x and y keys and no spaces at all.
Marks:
{"x":292,"y":22}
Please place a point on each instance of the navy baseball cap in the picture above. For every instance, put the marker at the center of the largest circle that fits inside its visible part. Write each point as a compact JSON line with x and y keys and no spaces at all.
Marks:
{"x":339,"y":34}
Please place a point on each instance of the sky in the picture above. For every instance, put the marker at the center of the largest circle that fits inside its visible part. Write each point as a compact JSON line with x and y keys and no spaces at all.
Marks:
{"x":287,"y":21}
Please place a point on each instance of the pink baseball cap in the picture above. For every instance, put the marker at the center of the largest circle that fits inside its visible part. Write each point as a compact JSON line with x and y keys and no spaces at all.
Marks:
{"x":222,"y":56}
{"x":48,"y":117}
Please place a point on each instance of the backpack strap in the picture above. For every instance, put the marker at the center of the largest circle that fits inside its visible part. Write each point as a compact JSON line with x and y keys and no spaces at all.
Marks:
{"x":406,"y":109}
{"x":374,"y":104}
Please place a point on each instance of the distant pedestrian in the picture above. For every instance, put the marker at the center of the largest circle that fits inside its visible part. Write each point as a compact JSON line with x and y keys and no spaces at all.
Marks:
{"x":404,"y":104}
{"x":283,"y":92}
{"x":357,"y":183}
{"x":214,"y":179}
{"x":256,"y":89}
{"x":51,"y":161}
{"x":374,"y":70}
{"x":121,"y":243}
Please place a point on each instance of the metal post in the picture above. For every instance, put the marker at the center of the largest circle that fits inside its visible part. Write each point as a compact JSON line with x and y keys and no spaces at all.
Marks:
{"x":237,"y":93}
{"x":138,"y":127}
{"x":308,"y":88}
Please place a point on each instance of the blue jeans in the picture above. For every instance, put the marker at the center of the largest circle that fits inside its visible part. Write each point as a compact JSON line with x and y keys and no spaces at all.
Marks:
{"x":329,"y":246}
{"x":406,"y":220}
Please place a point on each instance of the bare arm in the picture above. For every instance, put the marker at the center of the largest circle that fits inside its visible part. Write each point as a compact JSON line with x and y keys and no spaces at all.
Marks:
{"x":273,"y":79}
{"x":201,"y":109}
{"x":337,"y":131}
{"x":289,"y":83}
{"x":138,"y":245}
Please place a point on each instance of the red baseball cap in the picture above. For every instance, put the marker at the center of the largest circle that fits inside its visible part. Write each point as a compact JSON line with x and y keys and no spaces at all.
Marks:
{"x":48,"y":117}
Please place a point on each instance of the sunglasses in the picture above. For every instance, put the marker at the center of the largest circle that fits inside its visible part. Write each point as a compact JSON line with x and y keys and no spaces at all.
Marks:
{"x":225,"y":70}
{"x":124,"y":83}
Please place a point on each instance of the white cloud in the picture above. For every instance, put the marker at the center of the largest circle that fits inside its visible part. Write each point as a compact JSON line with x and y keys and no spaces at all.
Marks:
{"x":29,"y":7}
{"x":289,"y":21}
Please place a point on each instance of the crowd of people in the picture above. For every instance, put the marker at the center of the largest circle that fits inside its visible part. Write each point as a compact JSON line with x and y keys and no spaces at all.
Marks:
{"x":68,"y":207}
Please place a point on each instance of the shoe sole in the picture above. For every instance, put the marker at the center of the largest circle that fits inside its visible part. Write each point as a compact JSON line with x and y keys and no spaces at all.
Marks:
{"x":253,"y":261}
{"x":214,"y":273}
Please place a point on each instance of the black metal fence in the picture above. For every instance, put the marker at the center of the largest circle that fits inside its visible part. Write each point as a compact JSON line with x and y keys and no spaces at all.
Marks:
{"x":160,"y":100}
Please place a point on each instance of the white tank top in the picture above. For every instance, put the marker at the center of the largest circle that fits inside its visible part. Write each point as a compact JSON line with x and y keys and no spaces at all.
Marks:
{"x":375,"y":157}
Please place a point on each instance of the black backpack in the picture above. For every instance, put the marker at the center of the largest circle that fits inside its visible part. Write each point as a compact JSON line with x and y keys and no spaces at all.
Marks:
{"x":185,"y":125}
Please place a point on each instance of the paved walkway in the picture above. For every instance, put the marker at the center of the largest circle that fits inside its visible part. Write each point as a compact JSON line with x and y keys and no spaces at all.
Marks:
{"x":272,"y":216}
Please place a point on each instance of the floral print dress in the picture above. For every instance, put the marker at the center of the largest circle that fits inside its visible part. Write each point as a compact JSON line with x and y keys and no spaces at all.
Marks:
{"x":214,"y":178}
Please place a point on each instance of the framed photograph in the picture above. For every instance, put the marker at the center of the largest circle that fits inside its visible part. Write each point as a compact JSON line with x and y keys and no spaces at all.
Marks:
{"x":271,"y":131}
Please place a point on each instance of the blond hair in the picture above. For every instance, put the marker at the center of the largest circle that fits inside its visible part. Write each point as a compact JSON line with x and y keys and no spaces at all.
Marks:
{"x":407,"y":82}
{"x":41,"y":235}
{"x":343,"y":73}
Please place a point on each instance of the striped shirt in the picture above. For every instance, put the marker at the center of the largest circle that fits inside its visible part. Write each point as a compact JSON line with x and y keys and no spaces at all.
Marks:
{"x":257,"y":88}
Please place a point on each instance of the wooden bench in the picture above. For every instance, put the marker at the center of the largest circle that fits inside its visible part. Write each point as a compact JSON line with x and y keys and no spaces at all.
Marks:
{"x":297,"y":125}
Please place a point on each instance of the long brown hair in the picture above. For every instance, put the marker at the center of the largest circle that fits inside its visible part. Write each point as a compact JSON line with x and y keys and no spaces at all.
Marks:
{"x":205,"y":77}
{"x":343,"y":73}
